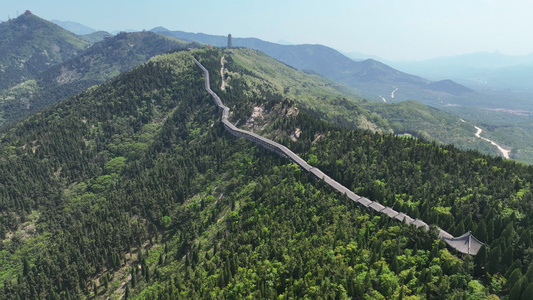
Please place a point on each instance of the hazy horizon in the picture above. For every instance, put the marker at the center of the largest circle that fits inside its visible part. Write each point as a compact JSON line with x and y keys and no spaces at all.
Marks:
{"x":393,"y":30}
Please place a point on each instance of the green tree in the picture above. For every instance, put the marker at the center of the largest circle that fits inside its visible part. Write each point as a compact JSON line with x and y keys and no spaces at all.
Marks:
{"x":481,"y":232}
{"x":507,"y":258}
{"x":516,"y":290}
{"x":480,"y":261}
{"x":494,"y":259}
{"x":528,"y":293}
{"x":476,"y":291}
{"x":26,"y":267}
{"x":515,"y":277}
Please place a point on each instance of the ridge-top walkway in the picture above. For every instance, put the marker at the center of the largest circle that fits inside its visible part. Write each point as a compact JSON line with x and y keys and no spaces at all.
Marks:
{"x":466,"y":243}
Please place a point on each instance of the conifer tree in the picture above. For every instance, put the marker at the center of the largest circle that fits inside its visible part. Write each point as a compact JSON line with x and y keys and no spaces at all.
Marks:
{"x":528,"y":292}
{"x":507,"y":258}
{"x":481,"y":231}
{"x":494,"y":259}
{"x":480,"y":261}
{"x":516,"y":290}
{"x":515,"y":277}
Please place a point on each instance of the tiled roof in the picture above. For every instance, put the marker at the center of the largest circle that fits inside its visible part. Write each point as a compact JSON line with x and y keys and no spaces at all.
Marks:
{"x":466,"y":243}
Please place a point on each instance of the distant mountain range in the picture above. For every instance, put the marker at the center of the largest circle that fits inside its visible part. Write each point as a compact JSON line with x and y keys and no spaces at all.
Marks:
{"x":370,"y":77}
{"x":74,"y":27}
{"x":479,"y":70}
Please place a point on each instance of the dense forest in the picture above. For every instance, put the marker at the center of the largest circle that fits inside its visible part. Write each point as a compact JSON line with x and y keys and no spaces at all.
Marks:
{"x":133,"y":189}
{"x":457,"y":190}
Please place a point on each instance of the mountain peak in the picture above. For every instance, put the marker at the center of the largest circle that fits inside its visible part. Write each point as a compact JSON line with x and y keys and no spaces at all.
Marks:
{"x":448,"y":86}
{"x":37,"y":43}
{"x":159,"y":29}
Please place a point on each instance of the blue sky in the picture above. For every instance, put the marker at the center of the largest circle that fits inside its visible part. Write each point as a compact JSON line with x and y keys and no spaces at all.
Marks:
{"x":391,"y":29}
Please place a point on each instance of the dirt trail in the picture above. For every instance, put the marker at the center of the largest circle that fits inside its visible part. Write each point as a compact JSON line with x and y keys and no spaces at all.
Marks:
{"x":223,"y":85}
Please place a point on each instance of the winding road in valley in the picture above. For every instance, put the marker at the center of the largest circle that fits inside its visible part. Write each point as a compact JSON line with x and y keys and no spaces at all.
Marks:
{"x":392,"y":94}
{"x":505,"y":153}
{"x":465,"y":243}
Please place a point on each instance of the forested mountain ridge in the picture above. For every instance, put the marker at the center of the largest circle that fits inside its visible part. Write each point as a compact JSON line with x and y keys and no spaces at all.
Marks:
{"x":66,"y":174}
{"x":133,"y":189}
{"x":468,"y":192}
{"x":29,"y":44}
{"x":372,"y":78}
{"x":101,"y":62}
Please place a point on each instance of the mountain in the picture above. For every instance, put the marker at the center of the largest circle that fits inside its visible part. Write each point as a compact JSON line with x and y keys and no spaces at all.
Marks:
{"x":96,"y":36}
{"x":448,"y":86}
{"x":99,"y":63}
{"x":86,"y":33}
{"x":124,"y":30}
{"x":478,"y":60}
{"x":74,"y":27}
{"x":29,"y":44}
{"x":374,"y":79}
{"x":134,"y":189}
{"x":480,"y":70}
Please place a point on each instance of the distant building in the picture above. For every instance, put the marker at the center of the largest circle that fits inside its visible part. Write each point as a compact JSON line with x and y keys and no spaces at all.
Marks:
{"x":229,"y":41}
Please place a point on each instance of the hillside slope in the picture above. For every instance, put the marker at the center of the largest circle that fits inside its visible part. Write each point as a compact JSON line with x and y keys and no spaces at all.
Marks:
{"x":134,"y":189}
{"x":331,"y":102}
{"x":29,"y":44}
{"x":101,"y":62}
